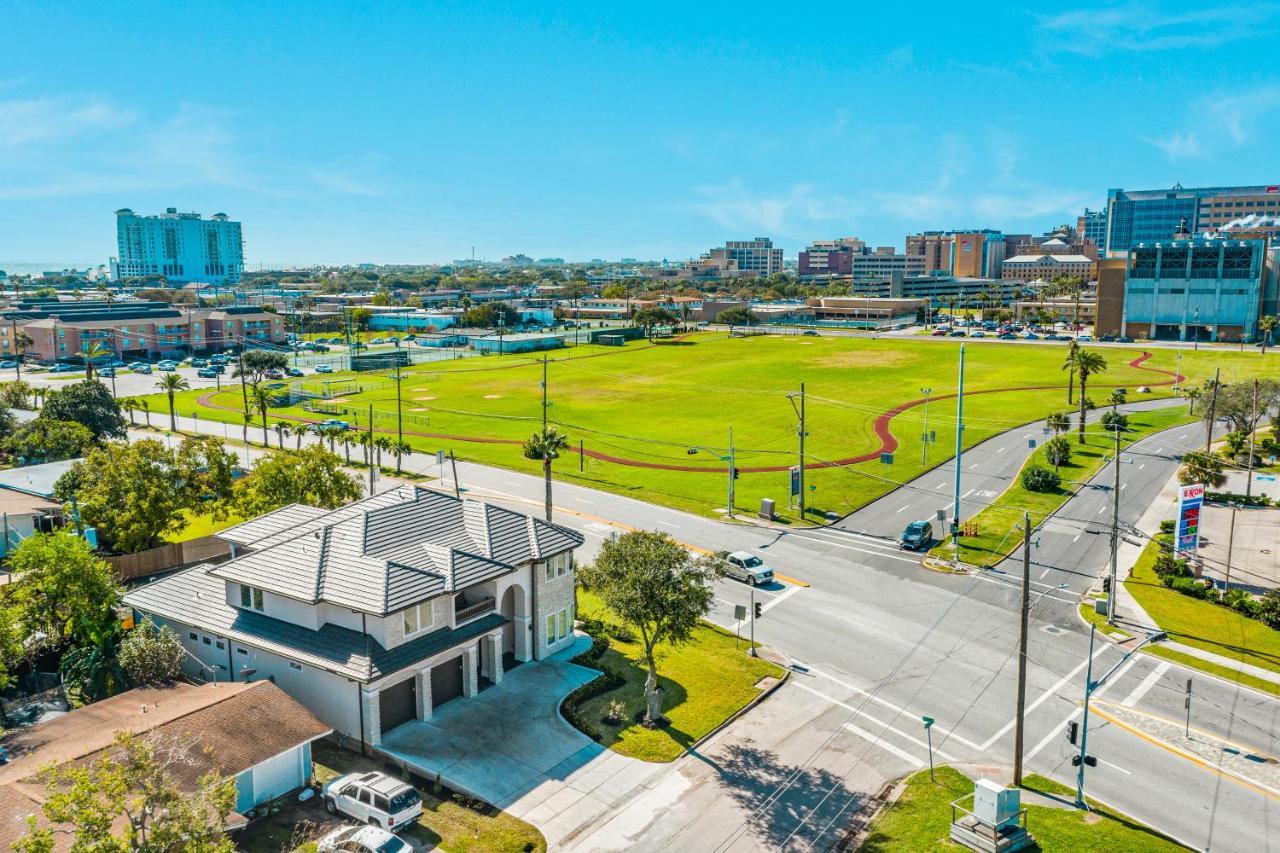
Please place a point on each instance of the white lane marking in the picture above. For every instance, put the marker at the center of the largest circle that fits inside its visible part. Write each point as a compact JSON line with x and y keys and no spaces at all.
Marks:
{"x":911,"y":760}
{"x":1101,"y":510}
{"x":1015,"y":585}
{"x":941,"y":486}
{"x":1114,"y":766}
{"x":903,"y":509}
{"x":974,"y":465}
{"x":966,"y":494}
{"x":867,"y":551}
{"x":1143,"y":465}
{"x":887,"y":729}
{"x":1042,"y":574}
{"x":1077,"y":536}
{"x":1040,"y":700}
{"x":1124,"y":486}
{"x":1002,"y":450}
{"x":1147,"y":683}
{"x":779,"y":598}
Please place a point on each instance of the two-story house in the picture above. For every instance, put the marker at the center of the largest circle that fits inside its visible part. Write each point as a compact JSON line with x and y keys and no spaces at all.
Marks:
{"x":378,"y":612}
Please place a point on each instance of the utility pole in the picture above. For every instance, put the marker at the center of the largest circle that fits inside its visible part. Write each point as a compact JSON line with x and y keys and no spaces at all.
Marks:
{"x":544,"y":393}
{"x":244,"y":392}
{"x":17,"y":351}
{"x":371,"y":465}
{"x":1196,"y":345}
{"x":1213,"y":409}
{"x":1022,"y":648}
{"x":800,"y":413}
{"x":1253,"y":428}
{"x":1177,"y":374}
{"x":399,"y":412}
{"x":955,"y":510}
{"x":1231,"y":541}
{"x":1115,"y":528}
{"x":453,"y":463}
{"x":924,"y":432}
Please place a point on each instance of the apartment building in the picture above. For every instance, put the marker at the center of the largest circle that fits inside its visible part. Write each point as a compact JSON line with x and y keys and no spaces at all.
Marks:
{"x":756,"y":257}
{"x":1048,"y":267}
{"x":849,"y":257}
{"x":183,"y":247}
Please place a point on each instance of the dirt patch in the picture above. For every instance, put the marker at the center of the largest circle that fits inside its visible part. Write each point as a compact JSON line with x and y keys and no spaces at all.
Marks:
{"x":339,"y":399}
{"x":493,"y":396}
{"x":424,"y":399}
{"x":421,"y":409}
{"x":865,"y":358}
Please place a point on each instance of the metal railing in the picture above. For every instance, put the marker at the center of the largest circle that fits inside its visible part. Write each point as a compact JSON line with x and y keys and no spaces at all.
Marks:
{"x":471,"y":611}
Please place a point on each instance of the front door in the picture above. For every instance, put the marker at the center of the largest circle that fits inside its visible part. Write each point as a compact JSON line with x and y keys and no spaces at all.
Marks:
{"x":398,"y":704}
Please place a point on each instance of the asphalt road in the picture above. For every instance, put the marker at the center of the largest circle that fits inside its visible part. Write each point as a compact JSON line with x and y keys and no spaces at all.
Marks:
{"x":877,"y":642}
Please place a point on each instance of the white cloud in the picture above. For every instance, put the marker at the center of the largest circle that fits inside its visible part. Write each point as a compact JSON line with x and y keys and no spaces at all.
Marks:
{"x":733,"y":207}
{"x":1179,"y":146}
{"x":27,"y":121}
{"x":1146,"y":27}
{"x":1216,"y":122}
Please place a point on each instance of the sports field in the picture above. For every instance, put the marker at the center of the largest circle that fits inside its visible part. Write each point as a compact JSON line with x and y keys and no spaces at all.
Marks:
{"x":653,"y":419}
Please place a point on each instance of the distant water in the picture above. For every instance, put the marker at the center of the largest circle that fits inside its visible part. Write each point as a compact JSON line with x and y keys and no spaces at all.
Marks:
{"x":37,"y":267}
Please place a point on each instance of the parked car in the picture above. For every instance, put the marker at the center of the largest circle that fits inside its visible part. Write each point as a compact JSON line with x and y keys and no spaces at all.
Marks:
{"x":810,"y":333}
{"x":1084,"y":339}
{"x":207,"y":373}
{"x":1107,"y":339}
{"x":274,"y":374}
{"x":374,"y":798}
{"x":108,"y":372}
{"x":958,"y":333}
{"x":746,"y":566}
{"x":938,"y":333}
{"x":8,"y":364}
{"x":141,"y":368}
{"x":1031,"y":336}
{"x":328,"y":423}
{"x":319,"y":348}
{"x":324,"y":368}
{"x":293,"y":371}
{"x":167,"y":365}
{"x":64,"y":368}
{"x":977,"y":333}
{"x":916,"y":536}
{"x":199,"y":362}
{"x":1008,"y":336}
{"x":361,"y":839}
{"x":1124,"y":339}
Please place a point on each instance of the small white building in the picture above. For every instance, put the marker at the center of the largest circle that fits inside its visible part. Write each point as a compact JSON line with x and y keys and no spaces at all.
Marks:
{"x":376,"y":613}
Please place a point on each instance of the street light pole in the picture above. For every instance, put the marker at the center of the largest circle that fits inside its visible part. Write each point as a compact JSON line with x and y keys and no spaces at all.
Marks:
{"x":955,"y":511}
{"x":924,"y":433}
{"x":732,"y":472}
{"x":1231,"y":541}
{"x":1022,"y":648}
{"x":1253,"y":428}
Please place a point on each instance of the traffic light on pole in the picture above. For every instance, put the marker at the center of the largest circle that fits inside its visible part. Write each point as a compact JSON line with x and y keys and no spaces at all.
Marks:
{"x":759,"y":610}
{"x":1073,"y":732}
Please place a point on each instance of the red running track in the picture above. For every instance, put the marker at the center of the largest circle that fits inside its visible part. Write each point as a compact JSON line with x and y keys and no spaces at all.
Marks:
{"x":888,"y":442}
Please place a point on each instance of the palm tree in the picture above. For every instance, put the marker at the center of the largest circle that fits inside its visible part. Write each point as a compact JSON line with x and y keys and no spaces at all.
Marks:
{"x":171,"y":383}
{"x":129,"y":405}
{"x":146,"y":410}
{"x":282,"y":430}
{"x":1058,"y":422}
{"x":1070,"y":364}
{"x":298,"y":432}
{"x":1117,"y":398}
{"x":1087,"y":364}
{"x":1193,"y":394}
{"x":260,"y":398}
{"x":1235,"y":445}
{"x":546,"y":446}
{"x":21,"y":341}
{"x":380,"y":444}
{"x":365,"y":440}
{"x":347,"y":441}
{"x":402,"y":449}
{"x":92,"y":353}
{"x":1266,"y":324}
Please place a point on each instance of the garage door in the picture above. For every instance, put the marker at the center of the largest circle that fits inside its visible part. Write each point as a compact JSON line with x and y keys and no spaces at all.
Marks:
{"x":396,"y":704}
{"x":277,"y":776}
{"x":446,"y":681}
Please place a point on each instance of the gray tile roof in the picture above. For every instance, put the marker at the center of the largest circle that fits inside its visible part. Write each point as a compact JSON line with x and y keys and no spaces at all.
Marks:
{"x":384,"y":553}
{"x":195,"y":597}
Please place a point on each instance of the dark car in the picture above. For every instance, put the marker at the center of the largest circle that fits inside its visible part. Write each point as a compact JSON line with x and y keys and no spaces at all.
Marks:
{"x":916,"y":536}
{"x":1107,"y":339}
{"x":207,"y":373}
{"x":1124,"y":339}
{"x":958,"y":333}
{"x":1008,"y":336}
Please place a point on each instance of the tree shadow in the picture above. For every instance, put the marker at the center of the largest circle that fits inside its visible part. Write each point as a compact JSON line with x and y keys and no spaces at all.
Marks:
{"x":779,"y":796}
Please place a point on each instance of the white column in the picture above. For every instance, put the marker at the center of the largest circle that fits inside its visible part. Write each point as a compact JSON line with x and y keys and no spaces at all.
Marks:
{"x":372,"y":717}
{"x":422,"y":689}
{"x":470,"y":671}
{"x":493,"y":643}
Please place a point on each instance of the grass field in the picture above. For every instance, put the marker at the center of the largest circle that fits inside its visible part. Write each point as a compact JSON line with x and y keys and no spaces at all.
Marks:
{"x":655,"y":404}
{"x":920,"y":820}
{"x":704,"y":682}
{"x":1204,"y":625}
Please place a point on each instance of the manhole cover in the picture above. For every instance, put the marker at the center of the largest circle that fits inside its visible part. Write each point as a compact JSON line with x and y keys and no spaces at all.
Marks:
{"x":1051,"y":629}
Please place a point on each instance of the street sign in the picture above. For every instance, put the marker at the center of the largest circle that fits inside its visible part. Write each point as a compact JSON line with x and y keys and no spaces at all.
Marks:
{"x":1190,"y":498}
{"x":886,"y":458}
{"x":739,"y":612}
{"x":928,"y":721}
{"x":440,"y":457}
{"x":795,"y":480}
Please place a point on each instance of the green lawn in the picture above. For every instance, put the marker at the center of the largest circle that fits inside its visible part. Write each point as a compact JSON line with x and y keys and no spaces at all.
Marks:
{"x":658,"y":402}
{"x":204,"y":524}
{"x":920,"y":820}
{"x":704,"y":682}
{"x":998,"y":524}
{"x":448,"y":822}
{"x":1204,"y":625}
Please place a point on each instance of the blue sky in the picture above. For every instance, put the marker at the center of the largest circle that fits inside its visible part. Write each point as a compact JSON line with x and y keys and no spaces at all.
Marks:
{"x":344,"y":132}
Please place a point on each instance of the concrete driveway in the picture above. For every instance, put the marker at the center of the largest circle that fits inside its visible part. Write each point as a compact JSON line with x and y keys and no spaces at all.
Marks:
{"x":510,"y":746}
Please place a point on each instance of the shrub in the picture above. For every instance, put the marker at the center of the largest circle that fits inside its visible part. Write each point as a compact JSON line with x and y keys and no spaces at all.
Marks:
{"x":1191,"y":587}
{"x":1037,"y":478}
{"x":615,"y":712}
{"x":1115,"y":420}
{"x":1269,"y":608}
{"x":1057,"y":451}
{"x":1167,"y":526}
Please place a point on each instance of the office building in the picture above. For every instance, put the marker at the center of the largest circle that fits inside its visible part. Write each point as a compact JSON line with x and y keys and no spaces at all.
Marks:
{"x":182,"y":247}
{"x":964,"y":253}
{"x":1193,"y":289}
{"x":934,"y":247}
{"x":850,"y":257}
{"x":1151,"y":216}
{"x":756,"y":257}
{"x":1048,"y":267}
{"x":1091,"y":228}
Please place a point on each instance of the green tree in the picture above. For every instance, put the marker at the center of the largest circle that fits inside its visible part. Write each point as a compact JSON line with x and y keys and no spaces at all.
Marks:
{"x":312,"y":476}
{"x":1192,"y":394}
{"x":650,"y":318}
{"x":1235,"y":404}
{"x":401,"y":449}
{"x":738,"y":316}
{"x":170,"y":384}
{"x":1058,"y":451}
{"x":614,"y":291}
{"x":62,"y":593}
{"x":135,"y":494}
{"x":129,"y":405}
{"x":1201,"y":467}
{"x":1117,"y":398}
{"x":92,"y":669}
{"x":261,"y":399}
{"x":21,"y":341}
{"x":1087,"y":364}
{"x":653,"y":584}
{"x":1058,"y":422}
{"x":1037,"y":478}
{"x":89,"y":403}
{"x":91,"y":354}
{"x":131,"y":800}
{"x":151,"y":655}
{"x":16,"y":395}
{"x":1235,"y":443}
{"x":1266,"y":325}
{"x":1069,"y":364}
{"x":1115,"y":420}
{"x":48,"y":441}
{"x":545,"y":446}
{"x":253,"y":365}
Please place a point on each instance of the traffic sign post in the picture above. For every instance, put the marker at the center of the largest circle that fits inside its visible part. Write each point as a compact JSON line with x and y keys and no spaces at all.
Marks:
{"x":928,"y":731}
{"x":1187,"y":704}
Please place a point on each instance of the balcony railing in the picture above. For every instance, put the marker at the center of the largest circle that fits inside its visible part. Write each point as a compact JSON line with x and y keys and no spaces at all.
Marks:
{"x":472,"y":611}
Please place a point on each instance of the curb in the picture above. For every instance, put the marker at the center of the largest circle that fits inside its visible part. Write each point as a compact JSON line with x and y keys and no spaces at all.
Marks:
{"x":760,"y":697}
{"x":861,"y":823}
{"x":934,"y":564}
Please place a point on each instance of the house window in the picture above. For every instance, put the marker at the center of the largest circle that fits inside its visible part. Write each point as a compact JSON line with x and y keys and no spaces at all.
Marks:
{"x":294,"y":665}
{"x":551,"y":629}
{"x":551,"y":569}
{"x":220,"y":646}
{"x":206,"y":641}
{"x":418,"y":618}
{"x":562,"y":622}
{"x":241,"y":651}
{"x":250,"y":597}
{"x":191,"y":635}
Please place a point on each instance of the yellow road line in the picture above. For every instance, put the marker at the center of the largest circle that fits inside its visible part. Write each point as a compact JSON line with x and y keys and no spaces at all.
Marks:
{"x":1194,"y":759}
{"x":1182,"y":725}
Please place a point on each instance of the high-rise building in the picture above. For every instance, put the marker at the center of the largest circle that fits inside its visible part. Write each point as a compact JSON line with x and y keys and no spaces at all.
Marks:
{"x":182,"y":247}
{"x":934,"y":247}
{"x":1092,"y":228}
{"x":756,"y":257}
{"x":1150,"y":216}
{"x":978,"y":253}
{"x":851,"y":257}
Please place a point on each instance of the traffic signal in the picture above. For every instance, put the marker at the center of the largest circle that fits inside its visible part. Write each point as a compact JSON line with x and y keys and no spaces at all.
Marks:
{"x":1073,"y":732}
{"x":735,"y":473}
{"x":1089,"y":761}
{"x":759,"y":610}
{"x":1106,"y":584}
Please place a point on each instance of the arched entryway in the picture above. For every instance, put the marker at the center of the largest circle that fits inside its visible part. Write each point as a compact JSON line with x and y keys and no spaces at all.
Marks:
{"x":515,"y":633}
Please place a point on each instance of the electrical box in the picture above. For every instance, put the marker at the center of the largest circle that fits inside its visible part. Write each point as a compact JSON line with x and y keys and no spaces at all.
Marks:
{"x":994,"y":804}
{"x":1101,"y":606}
{"x":766,"y":508}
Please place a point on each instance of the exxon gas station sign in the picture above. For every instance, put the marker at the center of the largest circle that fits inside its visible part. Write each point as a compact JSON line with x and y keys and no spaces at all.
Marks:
{"x":1190,"y":499}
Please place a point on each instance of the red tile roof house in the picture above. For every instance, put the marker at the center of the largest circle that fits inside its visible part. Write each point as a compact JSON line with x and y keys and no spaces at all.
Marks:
{"x":250,"y":731}
{"x":376,"y":613}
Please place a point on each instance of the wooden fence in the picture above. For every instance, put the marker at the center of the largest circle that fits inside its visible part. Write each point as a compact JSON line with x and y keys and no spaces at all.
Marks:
{"x":140,"y":565}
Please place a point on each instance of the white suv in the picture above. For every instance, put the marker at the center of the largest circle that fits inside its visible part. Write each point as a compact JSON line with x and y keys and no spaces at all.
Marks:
{"x":375,"y":798}
{"x":746,"y":566}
